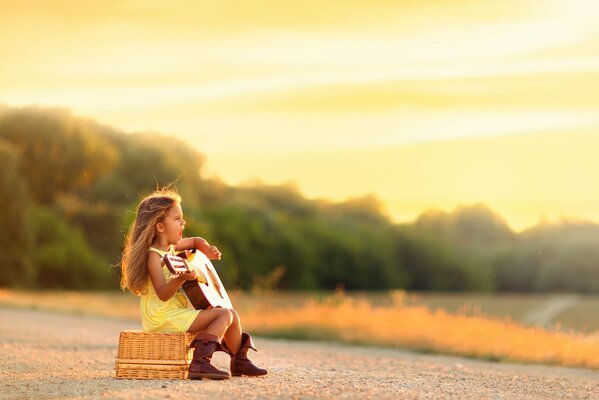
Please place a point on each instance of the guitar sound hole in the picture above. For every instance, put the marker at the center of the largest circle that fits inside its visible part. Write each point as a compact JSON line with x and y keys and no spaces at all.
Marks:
{"x":214,"y":281}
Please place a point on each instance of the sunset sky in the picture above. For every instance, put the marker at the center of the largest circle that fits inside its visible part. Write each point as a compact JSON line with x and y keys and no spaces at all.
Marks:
{"x":427,"y":104}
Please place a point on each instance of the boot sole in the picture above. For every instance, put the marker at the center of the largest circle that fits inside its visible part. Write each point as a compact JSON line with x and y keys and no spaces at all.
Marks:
{"x":207,"y":376}
{"x":250,"y":376}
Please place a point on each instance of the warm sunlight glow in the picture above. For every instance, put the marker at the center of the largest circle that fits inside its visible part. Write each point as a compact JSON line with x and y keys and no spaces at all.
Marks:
{"x":424,"y":103}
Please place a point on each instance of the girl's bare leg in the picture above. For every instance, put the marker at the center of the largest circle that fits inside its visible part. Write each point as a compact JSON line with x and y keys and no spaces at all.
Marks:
{"x":233,"y":333}
{"x":210,"y":326}
{"x":214,"y":321}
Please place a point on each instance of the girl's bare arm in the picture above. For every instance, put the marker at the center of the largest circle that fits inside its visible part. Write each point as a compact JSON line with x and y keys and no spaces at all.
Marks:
{"x":212,"y":252}
{"x":165,"y":290}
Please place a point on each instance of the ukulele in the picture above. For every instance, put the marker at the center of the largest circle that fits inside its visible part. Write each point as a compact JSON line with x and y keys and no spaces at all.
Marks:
{"x":207,"y":290}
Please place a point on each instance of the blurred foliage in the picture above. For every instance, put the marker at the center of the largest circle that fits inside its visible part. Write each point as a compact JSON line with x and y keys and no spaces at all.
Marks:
{"x":14,"y":235}
{"x":58,"y":153}
{"x":62,"y":255}
{"x":70,"y":187}
{"x":562,"y":257}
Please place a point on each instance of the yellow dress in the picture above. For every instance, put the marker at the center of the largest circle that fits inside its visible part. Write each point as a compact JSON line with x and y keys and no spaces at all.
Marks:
{"x":172,"y":315}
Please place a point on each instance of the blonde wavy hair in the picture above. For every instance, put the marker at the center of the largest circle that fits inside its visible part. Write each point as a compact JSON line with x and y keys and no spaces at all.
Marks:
{"x":150,"y":211}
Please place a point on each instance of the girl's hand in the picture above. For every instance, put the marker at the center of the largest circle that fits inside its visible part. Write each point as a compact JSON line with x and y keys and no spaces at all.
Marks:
{"x":213,"y":253}
{"x":189,"y":276}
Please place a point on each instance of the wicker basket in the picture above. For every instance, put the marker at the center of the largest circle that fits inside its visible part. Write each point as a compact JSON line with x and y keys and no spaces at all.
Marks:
{"x":153,"y":355}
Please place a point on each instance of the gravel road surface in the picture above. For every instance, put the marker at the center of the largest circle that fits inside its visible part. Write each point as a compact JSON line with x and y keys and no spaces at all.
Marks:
{"x":50,"y":355}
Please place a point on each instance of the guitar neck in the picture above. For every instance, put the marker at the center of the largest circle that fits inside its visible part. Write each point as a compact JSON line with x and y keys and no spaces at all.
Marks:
{"x":176,"y":264}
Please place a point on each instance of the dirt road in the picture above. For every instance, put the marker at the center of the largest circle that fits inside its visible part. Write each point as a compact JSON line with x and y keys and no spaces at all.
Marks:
{"x":70,"y":357}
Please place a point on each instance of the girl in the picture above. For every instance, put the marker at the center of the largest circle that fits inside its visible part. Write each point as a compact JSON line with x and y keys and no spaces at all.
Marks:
{"x":156,"y":231}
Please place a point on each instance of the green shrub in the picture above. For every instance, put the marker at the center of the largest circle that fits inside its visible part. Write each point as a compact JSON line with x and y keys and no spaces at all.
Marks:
{"x":63,"y":258}
{"x":14,"y":235}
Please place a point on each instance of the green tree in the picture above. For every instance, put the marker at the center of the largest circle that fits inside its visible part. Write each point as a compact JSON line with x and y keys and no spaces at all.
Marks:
{"x":437,"y":265}
{"x":62,"y":256}
{"x":559,"y":257}
{"x":14,"y":235}
{"x":58,"y":153}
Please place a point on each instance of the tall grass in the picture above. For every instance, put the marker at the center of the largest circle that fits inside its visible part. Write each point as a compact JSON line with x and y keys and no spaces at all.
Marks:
{"x":418,"y":328}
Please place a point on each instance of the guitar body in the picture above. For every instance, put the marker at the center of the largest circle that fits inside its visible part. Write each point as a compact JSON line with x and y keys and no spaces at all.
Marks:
{"x":202,"y":293}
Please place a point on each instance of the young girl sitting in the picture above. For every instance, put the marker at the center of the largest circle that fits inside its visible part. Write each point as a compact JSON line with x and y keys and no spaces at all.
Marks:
{"x":156,"y":231}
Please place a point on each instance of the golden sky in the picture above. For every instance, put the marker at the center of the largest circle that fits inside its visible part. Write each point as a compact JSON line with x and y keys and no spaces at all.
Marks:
{"x":429,"y":103}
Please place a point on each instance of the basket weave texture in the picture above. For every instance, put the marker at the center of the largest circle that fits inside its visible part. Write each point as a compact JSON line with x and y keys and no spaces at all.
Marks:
{"x":153,"y":355}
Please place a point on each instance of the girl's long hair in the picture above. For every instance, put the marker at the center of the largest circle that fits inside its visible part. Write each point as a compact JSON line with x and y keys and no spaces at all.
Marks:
{"x":150,"y":211}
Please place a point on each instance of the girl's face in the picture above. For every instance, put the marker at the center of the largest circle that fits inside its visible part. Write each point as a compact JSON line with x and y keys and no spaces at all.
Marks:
{"x":171,"y":227}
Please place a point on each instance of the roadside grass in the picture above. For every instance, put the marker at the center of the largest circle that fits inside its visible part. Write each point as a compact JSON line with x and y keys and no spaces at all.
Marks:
{"x":457,"y":324}
{"x":419,"y":328}
{"x":106,"y":304}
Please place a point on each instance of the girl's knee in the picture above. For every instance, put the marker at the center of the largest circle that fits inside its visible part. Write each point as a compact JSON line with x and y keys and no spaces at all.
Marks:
{"x":235,"y":316}
{"x":226,"y":315}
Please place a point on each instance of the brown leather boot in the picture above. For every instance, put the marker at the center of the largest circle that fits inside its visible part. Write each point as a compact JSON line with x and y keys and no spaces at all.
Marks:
{"x":240,"y":363}
{"x":205,"y":345}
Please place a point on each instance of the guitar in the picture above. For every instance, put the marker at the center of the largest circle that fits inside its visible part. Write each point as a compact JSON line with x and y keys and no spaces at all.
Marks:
{"x":206,"y":291}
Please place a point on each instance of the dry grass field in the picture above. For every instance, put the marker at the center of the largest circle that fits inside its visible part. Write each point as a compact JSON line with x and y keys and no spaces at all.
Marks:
{"x":491,"y":327}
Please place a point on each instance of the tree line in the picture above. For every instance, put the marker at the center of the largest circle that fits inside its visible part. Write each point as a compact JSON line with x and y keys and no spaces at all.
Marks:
{"x":69,"y":187}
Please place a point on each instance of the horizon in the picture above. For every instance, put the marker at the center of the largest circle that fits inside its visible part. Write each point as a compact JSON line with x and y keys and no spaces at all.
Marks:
{"x":423,"y":104}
